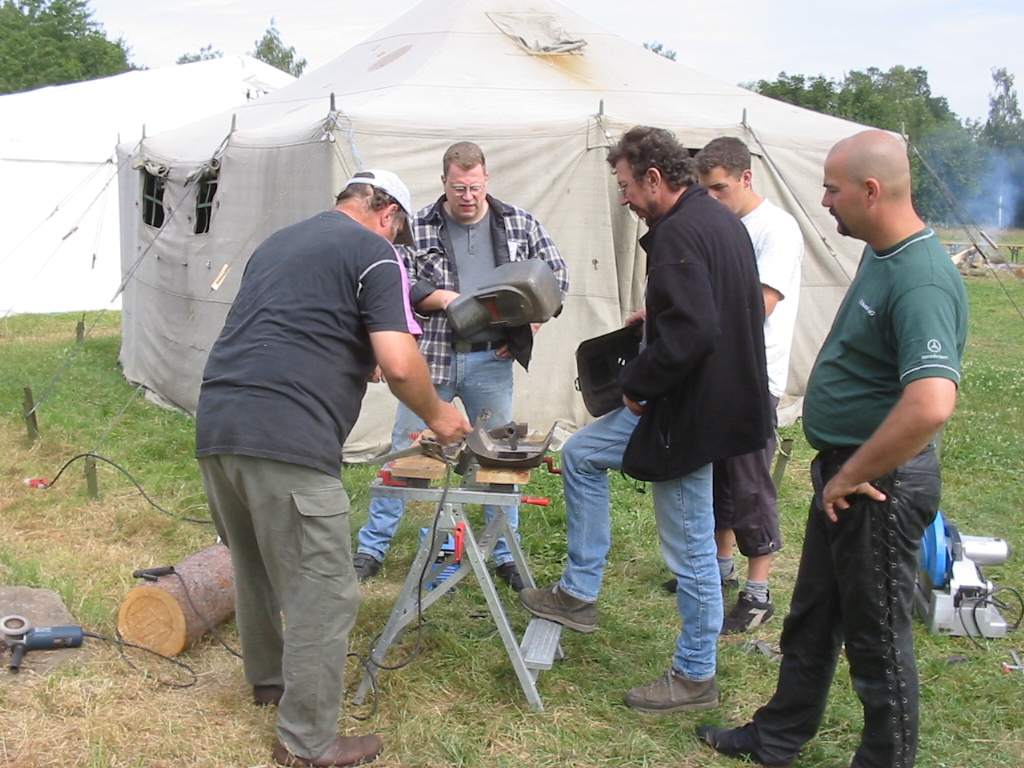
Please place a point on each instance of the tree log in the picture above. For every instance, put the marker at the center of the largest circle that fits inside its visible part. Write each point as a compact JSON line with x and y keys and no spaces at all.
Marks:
{"x":157,"y":615}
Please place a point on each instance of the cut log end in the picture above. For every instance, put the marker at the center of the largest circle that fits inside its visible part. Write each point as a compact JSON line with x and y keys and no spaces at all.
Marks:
{"x":159,"y":615}
{"x":153,"y":619}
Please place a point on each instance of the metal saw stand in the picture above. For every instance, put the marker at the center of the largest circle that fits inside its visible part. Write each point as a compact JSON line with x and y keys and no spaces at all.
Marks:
{"x":415,"y":599}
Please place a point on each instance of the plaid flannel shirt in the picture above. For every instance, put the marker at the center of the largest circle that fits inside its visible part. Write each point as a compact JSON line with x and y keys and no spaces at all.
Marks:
{"x":517,"y":236}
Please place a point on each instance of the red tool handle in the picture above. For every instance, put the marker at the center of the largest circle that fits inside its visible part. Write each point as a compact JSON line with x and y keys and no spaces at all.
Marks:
{"x":536,"y":500}
{"x":386,"y":478}
{"x":550,"y":462}
{"x":460,"y":541}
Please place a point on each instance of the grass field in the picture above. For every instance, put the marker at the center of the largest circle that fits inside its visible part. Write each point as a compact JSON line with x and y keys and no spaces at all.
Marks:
{"x":458,"y":703}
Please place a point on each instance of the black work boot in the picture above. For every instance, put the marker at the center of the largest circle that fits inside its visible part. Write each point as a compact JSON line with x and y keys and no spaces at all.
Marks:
{"x":510,"y":575}
{"x":367,"y":566}
{"x":734,"y":742}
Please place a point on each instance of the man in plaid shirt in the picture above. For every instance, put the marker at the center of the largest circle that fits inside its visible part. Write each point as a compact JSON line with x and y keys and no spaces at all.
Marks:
{"x":460,"y":239}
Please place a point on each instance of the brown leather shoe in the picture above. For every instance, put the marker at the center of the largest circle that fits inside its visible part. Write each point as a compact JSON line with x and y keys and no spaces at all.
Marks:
{"x":266,"y":695}
{"x":344,"y":750}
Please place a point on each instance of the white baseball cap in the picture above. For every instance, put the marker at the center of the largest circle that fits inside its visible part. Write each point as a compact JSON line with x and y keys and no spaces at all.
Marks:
{"x":394,"y":186}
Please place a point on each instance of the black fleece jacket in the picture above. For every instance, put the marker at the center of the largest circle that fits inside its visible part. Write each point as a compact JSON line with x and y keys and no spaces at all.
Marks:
{"x":702,"y":373}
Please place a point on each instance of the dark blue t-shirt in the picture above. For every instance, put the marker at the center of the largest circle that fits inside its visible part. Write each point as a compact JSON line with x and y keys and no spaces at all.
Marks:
{"x":287,"y":375}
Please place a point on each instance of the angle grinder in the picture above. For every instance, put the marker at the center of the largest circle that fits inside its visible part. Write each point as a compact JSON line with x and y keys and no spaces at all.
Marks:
{"x":22,"y":637}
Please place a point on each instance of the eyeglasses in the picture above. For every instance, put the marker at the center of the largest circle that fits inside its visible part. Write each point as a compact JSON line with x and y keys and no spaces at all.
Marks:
{"x":461,"y":191}
{"x":624,"y":187}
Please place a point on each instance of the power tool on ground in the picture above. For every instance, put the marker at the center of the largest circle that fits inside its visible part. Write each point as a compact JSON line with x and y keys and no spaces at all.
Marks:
{"x":952,"y":596}
{"x":21,"y":637}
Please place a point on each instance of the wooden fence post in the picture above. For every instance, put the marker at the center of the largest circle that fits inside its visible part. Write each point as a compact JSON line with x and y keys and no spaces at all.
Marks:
{"x":30,"y":416}
{"x":90,"y":477}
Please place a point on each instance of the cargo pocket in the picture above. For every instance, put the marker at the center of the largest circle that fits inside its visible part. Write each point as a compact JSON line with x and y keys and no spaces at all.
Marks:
{"x":326,"y":548}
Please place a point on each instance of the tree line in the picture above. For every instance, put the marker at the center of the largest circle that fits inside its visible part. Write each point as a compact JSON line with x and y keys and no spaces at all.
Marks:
{"x":977,"y":164}
{"x":54,"y":42}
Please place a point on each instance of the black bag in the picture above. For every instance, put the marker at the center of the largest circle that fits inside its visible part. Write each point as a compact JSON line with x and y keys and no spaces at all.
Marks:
{"x":599,"y":361}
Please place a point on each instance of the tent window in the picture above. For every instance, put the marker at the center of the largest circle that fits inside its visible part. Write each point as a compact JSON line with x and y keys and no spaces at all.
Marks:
{"x":204,"y":204}
{"x":152,"y":199}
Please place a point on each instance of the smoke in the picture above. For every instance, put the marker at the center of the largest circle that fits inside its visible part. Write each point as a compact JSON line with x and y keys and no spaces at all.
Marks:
{"x":998,"y":198}
{"x":986,"y":183}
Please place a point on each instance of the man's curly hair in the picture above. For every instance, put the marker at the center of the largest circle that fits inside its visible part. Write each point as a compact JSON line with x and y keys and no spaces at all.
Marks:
{"x":644,"y":147}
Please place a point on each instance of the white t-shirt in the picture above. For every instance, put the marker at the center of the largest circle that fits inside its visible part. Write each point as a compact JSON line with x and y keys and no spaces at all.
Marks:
{"x":779,"y":247}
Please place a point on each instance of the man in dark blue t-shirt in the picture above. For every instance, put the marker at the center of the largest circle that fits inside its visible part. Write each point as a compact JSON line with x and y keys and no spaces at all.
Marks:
{"x":321,"y":304}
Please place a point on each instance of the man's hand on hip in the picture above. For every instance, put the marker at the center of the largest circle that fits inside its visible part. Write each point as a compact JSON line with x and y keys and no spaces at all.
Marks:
{"x":833,"y":496}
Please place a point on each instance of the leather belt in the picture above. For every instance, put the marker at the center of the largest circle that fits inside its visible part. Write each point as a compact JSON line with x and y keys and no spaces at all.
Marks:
{"x":464,"y":347}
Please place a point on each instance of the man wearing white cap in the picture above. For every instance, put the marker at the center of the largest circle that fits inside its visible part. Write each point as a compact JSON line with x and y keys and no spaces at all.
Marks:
{"x":321,"y":303}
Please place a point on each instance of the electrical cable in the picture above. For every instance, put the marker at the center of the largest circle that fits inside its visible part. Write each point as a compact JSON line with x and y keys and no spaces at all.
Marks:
{"x":368,"y":667}
{"x":123,"y":644}
{"x":134,"y":482}
{"x":969,"y":607}
{"x":206,"y":621}
{"x":432,"y":533}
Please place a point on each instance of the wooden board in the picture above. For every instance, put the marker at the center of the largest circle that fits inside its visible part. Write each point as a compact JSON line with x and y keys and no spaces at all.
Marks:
{"x":503,"y":476}
{"x":421,"y":467}
{"x":426,"y":468}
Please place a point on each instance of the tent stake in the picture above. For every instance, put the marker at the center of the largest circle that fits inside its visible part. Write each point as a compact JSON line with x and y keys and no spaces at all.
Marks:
{"x":30,"y":416}
{"x":80,"y":332}
{"x":90,"y":477}
{"x":782,"y":457}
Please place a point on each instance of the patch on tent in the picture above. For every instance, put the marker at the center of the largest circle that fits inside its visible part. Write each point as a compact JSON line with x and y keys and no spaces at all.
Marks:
{"x":537,"y":32}
{"x":387,"y":59}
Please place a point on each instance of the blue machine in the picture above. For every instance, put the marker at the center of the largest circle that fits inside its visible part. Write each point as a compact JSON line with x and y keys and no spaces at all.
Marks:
{"x":952,"y":596}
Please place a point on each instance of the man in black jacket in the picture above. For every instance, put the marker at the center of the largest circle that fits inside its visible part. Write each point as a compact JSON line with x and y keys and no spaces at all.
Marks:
{"x":696,"y":393}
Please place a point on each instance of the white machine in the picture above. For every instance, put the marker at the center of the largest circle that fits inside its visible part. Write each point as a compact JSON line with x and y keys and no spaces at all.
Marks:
{"x":953,"y":597}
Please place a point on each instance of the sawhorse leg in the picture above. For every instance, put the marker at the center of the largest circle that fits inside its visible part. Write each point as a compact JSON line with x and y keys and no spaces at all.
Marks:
{"x":412,"y":601}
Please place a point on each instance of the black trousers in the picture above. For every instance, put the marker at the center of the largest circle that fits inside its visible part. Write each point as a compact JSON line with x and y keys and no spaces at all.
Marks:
{"x":855,"y":586}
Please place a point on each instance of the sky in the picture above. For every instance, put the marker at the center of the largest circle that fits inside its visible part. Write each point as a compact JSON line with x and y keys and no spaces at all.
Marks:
{"x":957,"y":42}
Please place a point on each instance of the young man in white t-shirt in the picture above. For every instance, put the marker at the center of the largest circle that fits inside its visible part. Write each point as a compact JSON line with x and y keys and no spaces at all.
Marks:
{"x":745,"y":498}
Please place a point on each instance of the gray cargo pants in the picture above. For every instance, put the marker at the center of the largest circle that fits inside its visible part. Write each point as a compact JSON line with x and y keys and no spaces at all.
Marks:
{"x":287,"y":527}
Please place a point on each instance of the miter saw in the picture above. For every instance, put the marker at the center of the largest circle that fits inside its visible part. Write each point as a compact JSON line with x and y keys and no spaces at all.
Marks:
{"x":952,"y":596}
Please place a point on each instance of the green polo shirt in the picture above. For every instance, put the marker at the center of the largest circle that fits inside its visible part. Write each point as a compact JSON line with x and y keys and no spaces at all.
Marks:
{"x":904,"y":318}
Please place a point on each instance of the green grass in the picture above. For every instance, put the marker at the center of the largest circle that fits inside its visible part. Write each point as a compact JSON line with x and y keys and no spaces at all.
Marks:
{"x":458,"y":703}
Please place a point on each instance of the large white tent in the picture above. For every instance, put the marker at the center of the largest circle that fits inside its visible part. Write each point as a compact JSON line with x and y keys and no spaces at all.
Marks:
{"x":544,"y":92}
{"x":59,"y":219}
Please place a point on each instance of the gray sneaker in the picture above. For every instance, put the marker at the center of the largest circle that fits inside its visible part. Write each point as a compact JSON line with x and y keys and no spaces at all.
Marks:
{"x":555,"y":605}
{"x":674,"y":693}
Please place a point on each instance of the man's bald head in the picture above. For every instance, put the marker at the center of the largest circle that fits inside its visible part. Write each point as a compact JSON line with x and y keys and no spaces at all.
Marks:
{"x":867,"y":188}
{"x":875,"y":155}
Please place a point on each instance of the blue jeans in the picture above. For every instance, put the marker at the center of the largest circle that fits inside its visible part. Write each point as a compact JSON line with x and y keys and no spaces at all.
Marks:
{"x":481,"y":380}
{"x":684,"y":509}
{"x":586,"y":458}
{"x":686,"y":526}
